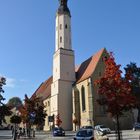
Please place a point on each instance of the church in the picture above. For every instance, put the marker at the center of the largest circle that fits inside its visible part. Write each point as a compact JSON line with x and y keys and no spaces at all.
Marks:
{"x":70,"y":91}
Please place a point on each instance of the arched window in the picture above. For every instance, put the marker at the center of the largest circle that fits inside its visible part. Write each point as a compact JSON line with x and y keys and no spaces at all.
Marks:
{"x":60,"y":39}
{"x":83,"y":98}
{"x":66,"y":26}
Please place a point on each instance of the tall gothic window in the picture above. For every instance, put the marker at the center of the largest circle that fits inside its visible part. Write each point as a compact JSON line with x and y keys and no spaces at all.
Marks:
{"x":66,"y":26}
{"x":83,"y":98}
{"x":60,"y":39}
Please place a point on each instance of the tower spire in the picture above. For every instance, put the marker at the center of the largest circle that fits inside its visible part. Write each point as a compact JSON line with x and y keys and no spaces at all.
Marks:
{"x":63,"y":8}
{"x":63,"y":2}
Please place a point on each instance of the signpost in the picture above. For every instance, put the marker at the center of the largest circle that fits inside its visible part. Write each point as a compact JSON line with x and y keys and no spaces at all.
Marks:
{"x":51,"y":118}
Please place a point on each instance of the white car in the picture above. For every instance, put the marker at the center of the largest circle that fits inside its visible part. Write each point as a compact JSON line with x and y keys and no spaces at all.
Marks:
{"x":103,"y":129}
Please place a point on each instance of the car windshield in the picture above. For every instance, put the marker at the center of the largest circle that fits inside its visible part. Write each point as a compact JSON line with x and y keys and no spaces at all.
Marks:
{"x":58,"y":128}
{"x":85,"y":133}
{"x":88,"y":127}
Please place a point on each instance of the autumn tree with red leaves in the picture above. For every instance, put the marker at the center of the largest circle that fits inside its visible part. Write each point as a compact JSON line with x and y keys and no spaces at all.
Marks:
{"x":115,"y":90}
{"x":32,"y":112}
{"x":58,"y":120}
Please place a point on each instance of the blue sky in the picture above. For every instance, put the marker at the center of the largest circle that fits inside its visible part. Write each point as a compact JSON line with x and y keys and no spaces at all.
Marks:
{"x":27,"y":37}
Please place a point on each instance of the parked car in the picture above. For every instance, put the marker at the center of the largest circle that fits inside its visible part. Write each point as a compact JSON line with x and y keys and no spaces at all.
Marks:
{"x":87,"y":127}
{"x":84,"y":134}
{"x":136,"y":126}
{"x":58,"y":131}
{"x":103,"y":129}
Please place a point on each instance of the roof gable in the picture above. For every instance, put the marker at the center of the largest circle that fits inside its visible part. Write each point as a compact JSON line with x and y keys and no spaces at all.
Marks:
{"x":87,"y":68}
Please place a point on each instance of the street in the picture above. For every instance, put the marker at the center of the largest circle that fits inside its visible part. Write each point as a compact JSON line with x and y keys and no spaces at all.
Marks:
{"x":127,"y":134}
{"x":41,"y":135}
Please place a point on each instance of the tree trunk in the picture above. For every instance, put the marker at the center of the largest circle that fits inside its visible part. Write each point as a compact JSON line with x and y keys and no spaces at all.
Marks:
{"x":75,"y":126}
{"x":118,"y":127}
{"x":14,"y":132}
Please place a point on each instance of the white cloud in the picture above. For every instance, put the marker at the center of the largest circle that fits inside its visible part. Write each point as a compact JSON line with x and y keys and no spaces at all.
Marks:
{"x":10,"y":82}
{"x":23,"y":80}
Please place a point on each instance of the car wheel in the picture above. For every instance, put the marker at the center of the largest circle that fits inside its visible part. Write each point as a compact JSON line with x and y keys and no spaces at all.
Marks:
{"x":134,"y":129}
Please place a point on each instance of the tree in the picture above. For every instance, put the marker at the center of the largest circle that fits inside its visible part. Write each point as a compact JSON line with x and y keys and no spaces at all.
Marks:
{"x":115,"y":90}
{"x":4,"y":109}
{"x":2,"y":82}
{"x":32,"y":112}
{"x":14,"y":102}
{"x":135,"y":82}
{"x":15,"y":119}
{"x":58,"y":120}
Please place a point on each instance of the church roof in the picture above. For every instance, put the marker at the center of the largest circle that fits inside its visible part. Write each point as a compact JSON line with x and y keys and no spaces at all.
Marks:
{"x":83,"y":71}
{"x":86,"y":69}
{"x":44,"y":89}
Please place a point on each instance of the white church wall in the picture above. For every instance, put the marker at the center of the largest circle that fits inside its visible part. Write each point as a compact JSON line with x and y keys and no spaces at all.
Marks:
{"x":65,"y":103}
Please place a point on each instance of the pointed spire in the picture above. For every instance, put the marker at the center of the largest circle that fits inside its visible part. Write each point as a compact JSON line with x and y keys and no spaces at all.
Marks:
{"x":63,"y":8}
{"x":63,"y":2}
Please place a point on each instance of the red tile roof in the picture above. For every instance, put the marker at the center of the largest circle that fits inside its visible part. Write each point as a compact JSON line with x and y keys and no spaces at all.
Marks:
{"x":86,"y":69}
{"x":44,"y":89}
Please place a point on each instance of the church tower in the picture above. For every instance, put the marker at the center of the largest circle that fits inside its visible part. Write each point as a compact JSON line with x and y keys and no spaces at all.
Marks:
{"x":63,"y":67}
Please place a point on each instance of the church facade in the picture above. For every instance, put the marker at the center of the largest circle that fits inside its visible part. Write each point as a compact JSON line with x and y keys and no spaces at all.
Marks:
{"x":71,"y":91}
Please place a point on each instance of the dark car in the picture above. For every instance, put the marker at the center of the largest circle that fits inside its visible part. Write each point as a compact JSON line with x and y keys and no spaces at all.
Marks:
{"x":58,"y":131}
{"x":136,"y":126}
{"x":84,"y":134}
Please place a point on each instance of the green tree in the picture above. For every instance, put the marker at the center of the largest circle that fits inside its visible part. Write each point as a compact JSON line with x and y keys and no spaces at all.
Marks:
{"x":14,"y":102}
{"x":4,"y":109}
{"x":134,"y":71}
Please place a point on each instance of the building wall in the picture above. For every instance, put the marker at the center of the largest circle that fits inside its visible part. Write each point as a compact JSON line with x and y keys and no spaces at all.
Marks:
{"x":85,"y":118}
{"x":47,"y":125}
{"x":62,"y":103}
